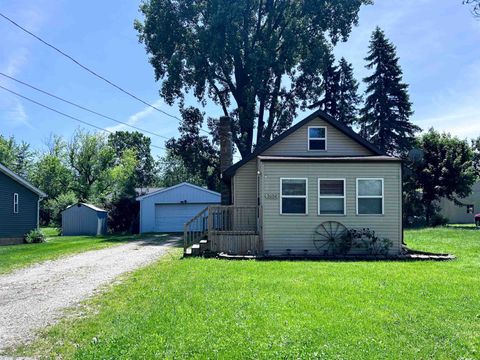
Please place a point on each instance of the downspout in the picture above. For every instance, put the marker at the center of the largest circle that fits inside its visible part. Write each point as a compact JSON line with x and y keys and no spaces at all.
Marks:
{"x":140,"y":216}
{"x":38,"y":212}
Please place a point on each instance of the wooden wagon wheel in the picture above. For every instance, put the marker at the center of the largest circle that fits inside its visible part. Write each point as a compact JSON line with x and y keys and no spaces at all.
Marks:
{"x":332,"y":238}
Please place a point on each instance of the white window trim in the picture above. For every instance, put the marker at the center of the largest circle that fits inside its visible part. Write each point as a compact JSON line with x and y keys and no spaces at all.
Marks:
{"x":333,"y":196}
{"x":315,"y":138}
{"x":294,"y":196}
{"x":15,"y":203}
{"x":372,"y":196}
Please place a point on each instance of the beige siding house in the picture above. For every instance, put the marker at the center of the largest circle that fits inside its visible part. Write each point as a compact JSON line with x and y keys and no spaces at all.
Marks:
{"x":314,"y":185}
{"x":463,"y":212}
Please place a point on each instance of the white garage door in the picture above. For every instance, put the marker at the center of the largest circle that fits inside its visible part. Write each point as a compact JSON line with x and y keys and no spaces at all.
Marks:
{"x":171,"y":218}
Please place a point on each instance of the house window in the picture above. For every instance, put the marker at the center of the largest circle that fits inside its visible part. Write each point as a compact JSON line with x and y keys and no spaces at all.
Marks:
{"x":317,"y":138}
{"x":331,"y":196}
{"x":470,"y":209}
{"x":15,"y":203}
{"x":293,"y":199}
{"x":370,"y":196}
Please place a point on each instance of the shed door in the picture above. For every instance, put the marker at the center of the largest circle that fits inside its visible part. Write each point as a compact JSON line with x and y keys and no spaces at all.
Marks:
{"x":172,"y":217}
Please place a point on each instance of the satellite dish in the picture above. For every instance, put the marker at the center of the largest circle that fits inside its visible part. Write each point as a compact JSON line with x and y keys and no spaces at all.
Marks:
{"x":416,"y":155}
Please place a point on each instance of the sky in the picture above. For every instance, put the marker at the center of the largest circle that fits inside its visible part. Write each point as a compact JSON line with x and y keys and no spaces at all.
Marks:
{"x":437,"y":43}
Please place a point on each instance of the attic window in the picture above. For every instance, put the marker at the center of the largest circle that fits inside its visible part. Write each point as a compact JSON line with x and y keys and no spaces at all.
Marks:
{"x":317,"y":138}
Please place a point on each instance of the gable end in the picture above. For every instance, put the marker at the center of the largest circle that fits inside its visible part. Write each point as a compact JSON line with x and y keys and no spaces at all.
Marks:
{"x":317,"y":114}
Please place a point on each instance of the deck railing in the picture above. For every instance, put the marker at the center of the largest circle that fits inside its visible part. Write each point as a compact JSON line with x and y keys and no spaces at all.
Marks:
{"x":195,"y":229}
{"x":229,"y":228}
{"x":233,"y":219}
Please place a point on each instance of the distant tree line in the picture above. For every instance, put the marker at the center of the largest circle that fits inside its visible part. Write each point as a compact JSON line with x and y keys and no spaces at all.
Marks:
{"x":93,"y":168}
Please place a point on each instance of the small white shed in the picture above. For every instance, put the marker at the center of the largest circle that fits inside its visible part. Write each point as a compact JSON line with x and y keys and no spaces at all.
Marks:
{"x":84,"y":219}
{"x":167,"y":210}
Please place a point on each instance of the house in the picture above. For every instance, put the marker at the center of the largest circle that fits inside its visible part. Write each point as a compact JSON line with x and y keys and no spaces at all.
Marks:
{"x":19,"y":207}
{"x":464,"y":211}
{"x":84,"y":219}
{"x":309,"y":191}
{"x":168,"y":209}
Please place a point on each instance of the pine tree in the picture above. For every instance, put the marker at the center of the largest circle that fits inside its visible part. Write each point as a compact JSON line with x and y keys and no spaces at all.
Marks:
{"x":385,"y":118}
{"x":329,"y":87}
{"x":348,"y":98}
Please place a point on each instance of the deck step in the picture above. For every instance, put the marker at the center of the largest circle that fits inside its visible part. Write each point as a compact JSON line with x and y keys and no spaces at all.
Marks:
{"x":197,"y":249}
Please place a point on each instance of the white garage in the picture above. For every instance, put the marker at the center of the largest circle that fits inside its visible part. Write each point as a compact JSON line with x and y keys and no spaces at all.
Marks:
{"x":167,"y":210}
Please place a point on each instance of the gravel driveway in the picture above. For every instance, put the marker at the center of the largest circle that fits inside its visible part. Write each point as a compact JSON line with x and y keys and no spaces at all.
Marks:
{"x":35,"y":297}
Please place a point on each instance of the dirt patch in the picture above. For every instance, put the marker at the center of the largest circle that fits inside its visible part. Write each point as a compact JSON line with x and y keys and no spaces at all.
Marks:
{"x":36,"y":296}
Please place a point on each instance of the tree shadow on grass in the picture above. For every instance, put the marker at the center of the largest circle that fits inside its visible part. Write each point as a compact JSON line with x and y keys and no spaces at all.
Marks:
{"x":148,"y":239}
{"x":461,"y":226}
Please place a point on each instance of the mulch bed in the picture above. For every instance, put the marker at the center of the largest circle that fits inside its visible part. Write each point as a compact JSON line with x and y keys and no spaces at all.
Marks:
{"x":407,"y":255}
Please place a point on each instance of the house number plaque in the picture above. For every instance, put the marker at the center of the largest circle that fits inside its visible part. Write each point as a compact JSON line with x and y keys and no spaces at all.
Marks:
{"x":271,"y":196}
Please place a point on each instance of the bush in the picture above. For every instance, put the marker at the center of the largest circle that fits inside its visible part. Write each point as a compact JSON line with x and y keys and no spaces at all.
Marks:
{"x":438,"y":220}
{"x":123,"y":215}
{"x":34,"y":237}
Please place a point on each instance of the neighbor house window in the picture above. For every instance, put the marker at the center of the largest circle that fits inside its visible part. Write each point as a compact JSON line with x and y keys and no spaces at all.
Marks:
{"x":370,"y":196}
{"x":15,"y":203}
{"x":293,"y":199}
{"x":331,"y":196}
{"x":317,"y":138}
{"x":470,"y":209}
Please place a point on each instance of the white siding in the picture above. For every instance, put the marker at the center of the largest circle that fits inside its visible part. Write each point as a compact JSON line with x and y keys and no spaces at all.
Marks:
{"x":338,"y":144}
{"x":281,"y":232}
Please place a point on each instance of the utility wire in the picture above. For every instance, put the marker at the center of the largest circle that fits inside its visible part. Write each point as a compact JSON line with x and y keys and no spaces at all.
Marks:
{"x":66,"y":115}
{"x":90,"y":70}
{"x":81,"y":107}
{"x":85,"y":67}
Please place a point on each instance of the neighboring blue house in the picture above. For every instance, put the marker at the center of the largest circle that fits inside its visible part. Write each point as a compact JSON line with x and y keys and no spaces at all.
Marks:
{"x":167,"y":210}
{"x":19,"y":207}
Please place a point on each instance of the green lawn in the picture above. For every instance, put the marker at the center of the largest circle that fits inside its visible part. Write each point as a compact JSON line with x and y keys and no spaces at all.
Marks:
{"x":15,"y":256}
{"x":207,"y":308}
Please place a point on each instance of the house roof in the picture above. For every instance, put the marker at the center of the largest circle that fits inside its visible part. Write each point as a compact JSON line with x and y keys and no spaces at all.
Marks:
{"x":21,"y":180}
{"x":146,"y":190}
{"x":368,"y":158}
{"x":161,"y":190}
{"x":317,"y":114}
{"x":90,"y":206}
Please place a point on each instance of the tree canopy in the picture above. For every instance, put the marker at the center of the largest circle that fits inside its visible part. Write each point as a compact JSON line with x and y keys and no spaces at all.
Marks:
{"x":140,"y":144}
{"x":475,"y":6}
{"x":15,"y":155}
{"x":200,"y":156}
{"x":444,"y":171}
{"x":259,"y":60}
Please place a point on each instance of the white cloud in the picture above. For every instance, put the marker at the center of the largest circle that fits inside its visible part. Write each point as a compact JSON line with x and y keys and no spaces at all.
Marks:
{"x":145,"y":114}
{"x":15,"y":46}
{"x":14,"y":114}
{"x":15,"y":62}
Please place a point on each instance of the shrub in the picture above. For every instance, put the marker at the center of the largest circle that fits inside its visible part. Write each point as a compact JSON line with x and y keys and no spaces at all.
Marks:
{"x":367,"y":239}
{"x":438,"y":220}
{"x":123,"y":215}
{"x":35,"y":236}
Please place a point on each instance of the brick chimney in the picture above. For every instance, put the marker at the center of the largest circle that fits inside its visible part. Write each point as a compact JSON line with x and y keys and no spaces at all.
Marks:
{"x":226,"y":156}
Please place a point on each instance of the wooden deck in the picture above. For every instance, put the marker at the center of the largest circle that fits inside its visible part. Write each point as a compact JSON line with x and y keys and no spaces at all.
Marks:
{"x":224,"y":229}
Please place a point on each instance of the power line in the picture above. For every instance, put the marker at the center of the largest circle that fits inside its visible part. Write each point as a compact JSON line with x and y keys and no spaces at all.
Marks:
{"x":66,"y":115}
{"x":85,"y":67}
{"x":81,"y":107}
{"x":90,"y":70}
